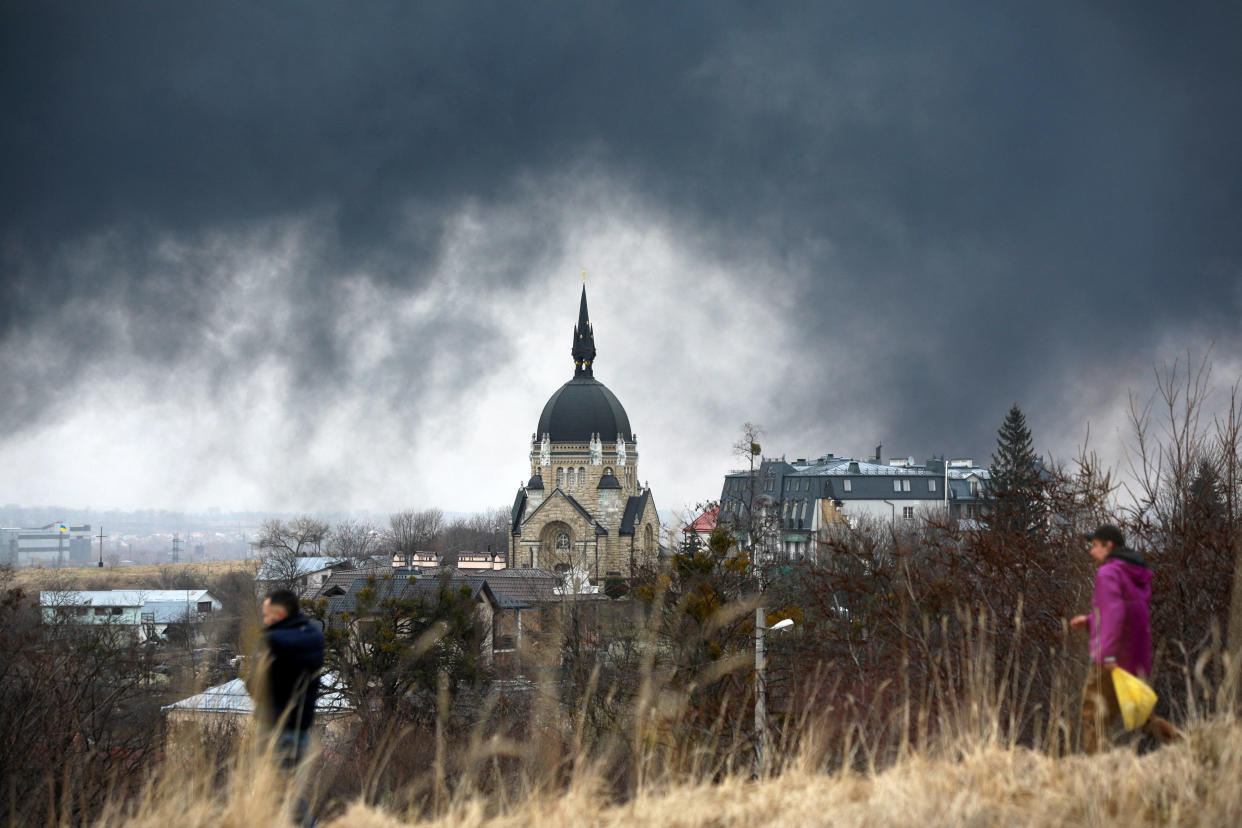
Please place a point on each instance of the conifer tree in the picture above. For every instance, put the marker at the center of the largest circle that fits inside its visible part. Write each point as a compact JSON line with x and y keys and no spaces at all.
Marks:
{"x":1205,"y":506}
{"x":1015,"y":491}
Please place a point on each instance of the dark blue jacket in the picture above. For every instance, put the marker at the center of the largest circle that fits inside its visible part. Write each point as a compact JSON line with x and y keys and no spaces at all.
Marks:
{"x":292,"y":649}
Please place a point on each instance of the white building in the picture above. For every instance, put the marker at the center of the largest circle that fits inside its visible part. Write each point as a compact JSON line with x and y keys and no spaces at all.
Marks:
{"x":145,"y":612}
{"x":57,"y":544}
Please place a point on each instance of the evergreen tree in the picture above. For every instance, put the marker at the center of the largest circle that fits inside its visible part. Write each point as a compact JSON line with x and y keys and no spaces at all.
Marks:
{"x":1205,"y":506}
{"x":1015,"y":491}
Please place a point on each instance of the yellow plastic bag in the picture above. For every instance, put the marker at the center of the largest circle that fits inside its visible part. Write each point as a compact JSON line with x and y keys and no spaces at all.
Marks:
{"x":1135,"y":698}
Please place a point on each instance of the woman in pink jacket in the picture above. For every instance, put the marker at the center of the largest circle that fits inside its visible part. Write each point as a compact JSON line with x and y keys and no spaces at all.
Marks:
{"x":1120,"y":633}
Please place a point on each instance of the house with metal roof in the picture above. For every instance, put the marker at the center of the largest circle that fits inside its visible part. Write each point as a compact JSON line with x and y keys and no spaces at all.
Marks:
{"x":310,"y":573}
{"x":233,"y":699}
{"x":146,"y":613}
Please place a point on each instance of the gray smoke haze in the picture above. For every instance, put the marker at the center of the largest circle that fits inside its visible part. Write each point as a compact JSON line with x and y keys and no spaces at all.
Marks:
{"x":310,"y":255}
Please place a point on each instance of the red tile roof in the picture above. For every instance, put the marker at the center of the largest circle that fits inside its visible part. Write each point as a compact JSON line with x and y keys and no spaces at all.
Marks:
{"x":705,"y":522}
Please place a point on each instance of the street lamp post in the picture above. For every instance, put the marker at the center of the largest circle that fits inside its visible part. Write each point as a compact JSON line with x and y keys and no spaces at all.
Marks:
{"x":763,"y":738}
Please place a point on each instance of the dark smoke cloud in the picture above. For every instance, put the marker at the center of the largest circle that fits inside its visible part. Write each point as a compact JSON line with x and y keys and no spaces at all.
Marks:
{"x":966,"y":206}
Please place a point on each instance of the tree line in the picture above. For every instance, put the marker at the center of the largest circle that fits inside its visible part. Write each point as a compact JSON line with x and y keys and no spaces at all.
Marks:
{"x":408,"y":532}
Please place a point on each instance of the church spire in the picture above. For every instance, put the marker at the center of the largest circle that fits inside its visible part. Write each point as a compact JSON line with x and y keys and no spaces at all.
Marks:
{"x":584,"y":341}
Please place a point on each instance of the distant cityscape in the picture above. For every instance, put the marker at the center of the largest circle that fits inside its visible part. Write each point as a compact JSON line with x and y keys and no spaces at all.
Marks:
{"x":32,"y":536}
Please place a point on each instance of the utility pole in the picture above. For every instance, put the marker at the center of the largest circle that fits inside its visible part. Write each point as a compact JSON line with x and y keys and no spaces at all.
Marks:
{"x":761,"y":690}
{"x":761,"y":694}
{"x":946,"y":486}
{"x":101,"y":540}
{"x":176,"y":553}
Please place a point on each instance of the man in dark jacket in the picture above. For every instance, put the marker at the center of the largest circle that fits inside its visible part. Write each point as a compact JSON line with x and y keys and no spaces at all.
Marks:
{"x":285,"y":682}
{"x":1120,"y":635}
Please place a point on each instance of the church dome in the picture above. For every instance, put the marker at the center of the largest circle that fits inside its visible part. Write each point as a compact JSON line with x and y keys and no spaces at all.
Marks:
{"x":580,"y":408}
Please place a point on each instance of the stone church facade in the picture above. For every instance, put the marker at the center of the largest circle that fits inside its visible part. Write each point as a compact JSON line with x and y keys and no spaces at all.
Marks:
{"x":583,"y":506}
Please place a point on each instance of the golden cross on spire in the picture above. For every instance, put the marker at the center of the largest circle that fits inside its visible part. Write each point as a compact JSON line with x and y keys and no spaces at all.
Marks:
{"x":584,"y":277}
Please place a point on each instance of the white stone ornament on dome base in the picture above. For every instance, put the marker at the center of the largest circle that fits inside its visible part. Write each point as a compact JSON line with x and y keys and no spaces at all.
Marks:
{"x":597,"y":450}
{"x":545,"y":451}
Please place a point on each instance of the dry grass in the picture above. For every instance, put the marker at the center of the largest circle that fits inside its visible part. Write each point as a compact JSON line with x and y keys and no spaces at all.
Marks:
{"x":123,"y":577}
{"x":1197,"y":782}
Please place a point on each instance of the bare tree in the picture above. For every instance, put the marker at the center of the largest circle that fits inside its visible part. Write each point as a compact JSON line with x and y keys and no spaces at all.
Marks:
{"x":413,"y":531}
{"x":355,"y":541}
{"x":281,"y":545}
{"x":758,"y":523}
{"x":301,"y":537}
{"x":1183,"y":506}
{"x":480,"y":532}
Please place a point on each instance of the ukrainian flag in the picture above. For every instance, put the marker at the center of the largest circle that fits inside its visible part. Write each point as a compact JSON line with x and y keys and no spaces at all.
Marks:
{"x":64,"y":528}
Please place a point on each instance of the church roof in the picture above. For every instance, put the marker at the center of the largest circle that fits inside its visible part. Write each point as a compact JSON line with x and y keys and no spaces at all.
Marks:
{"x":581,"y":408}
{"x":584,"y":406}
{"x":635,"y":507}
{"x":519,"y":511}
{"x":584,"y":340}
{"x":578,"y":507}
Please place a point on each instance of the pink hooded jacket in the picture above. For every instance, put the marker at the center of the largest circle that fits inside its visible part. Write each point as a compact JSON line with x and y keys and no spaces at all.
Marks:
{"x":1120,"y":622}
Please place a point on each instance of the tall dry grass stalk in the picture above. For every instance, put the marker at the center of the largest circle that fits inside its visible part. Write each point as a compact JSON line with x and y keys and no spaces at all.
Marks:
{"x":971,"y":748}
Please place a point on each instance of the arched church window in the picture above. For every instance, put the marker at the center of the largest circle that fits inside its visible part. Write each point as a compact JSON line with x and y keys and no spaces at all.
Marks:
{"x":560,"y":477}
{"x":562,"y":541}
{"x":608,"y":471}
{"x":581,"y":476}
{"x":648,"y":540}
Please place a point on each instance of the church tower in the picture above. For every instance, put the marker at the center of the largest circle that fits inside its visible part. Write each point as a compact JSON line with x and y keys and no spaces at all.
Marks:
{"x":583,"y":506}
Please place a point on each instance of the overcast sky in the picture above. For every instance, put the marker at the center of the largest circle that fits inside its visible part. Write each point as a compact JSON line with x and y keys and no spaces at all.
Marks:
{"x":326,"y":256}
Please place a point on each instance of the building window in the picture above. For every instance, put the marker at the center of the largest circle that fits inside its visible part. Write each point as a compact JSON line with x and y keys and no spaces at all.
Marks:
{"x":101,"y":610}
{"x":974,"y":487}
{"x":907,"y":512}
{"x":896,"y":485}
{"x":608,"y":471}
{"x":560,"y":478}
{"x":848,"y":485}
{"x":931,"y":485}
{"x":205,"y":606}
{"x":905,"y":485}
{"x":562,"y":541}
{"x":581,"y":476}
